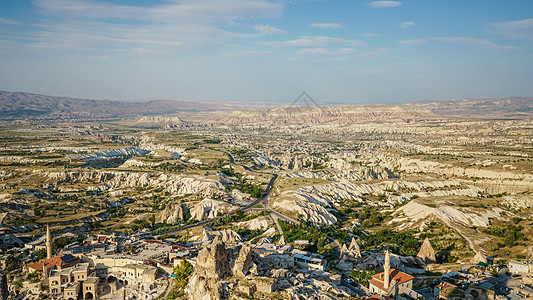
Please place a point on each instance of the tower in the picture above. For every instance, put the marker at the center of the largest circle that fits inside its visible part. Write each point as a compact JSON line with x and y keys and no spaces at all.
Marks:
{"x":48,"y":242}
{"x":386,"y":270}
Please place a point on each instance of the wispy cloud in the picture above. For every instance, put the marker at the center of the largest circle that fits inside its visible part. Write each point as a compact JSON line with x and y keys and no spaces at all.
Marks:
{"x":381,"y":4}
{"x":326,"y":25}
{"x":8,"y":21}
{"x":314,"y":42}
{"x":406,"y":25}
{"x":268,"y":30}
{"x":326,"y":52}
{"x":317,"y":46}
{"x":469,"y":41}
{"x":97,"y":26}
{"x":521,"y":29}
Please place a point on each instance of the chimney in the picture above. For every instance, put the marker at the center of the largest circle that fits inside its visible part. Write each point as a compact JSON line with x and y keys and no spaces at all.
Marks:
{"x":386,"y":271}
{"x":45,"y":271}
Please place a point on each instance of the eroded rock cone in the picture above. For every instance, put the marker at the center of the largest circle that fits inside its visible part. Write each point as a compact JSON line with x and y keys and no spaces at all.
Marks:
{"x":211,"y":266}
{"x":426,"y":253}
{"x":174,"y":212}
{"x":244,"y":261}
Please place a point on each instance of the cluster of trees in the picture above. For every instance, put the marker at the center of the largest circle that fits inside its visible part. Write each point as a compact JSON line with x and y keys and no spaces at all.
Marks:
{"x":169,"y":167}
{"x":509,"y":232}
{"x":370,"y":215}
{"x":403,"y":243}
{"x":362,"y":276}
{"x":12,"y":263}
{"x":317,"y":237}
{"x":254,"y":190}
{"x":144,"y":223}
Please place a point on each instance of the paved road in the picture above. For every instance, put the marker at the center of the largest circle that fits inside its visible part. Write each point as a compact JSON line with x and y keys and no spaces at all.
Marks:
{"x":266,"y":195}
{"x":273,"y":214}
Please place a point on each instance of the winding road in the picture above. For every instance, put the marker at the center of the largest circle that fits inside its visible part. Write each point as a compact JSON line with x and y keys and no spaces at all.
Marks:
{"x":263,"y":200}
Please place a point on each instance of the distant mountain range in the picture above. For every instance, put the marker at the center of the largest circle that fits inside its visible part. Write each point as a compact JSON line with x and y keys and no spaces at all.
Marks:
{"x":29,"y":106}
{"x":20,"y":105}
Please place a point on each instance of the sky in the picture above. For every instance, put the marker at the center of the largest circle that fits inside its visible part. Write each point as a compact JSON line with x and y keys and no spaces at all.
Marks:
{"x":347,"y":51}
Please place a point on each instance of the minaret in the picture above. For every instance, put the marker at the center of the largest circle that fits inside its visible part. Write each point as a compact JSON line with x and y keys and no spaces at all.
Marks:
{"x":386,"y":271}
{"x":48,"y":242}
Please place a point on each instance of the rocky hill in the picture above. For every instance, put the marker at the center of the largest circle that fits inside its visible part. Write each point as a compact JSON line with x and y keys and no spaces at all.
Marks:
{"x":20,"y":105}
{"x":514,"y":107}
{"x":345,"y":114}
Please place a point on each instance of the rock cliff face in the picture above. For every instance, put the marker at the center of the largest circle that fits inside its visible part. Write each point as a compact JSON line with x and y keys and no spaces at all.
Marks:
{"x":306,"y":210}
{"x":174,"y":212}
{"x":358,"y":173}
{"x":310,"y":201}
{"x":255,"y":224}
{"x":174,"y":184}
{"x":244,"y":261}
{"x":345,"y":114}
{"x":209,"y":209}
{"x":159,"y":120}
{"x":212,"y":265}
{"x":227,"y":236}
{"x":125,"y":152}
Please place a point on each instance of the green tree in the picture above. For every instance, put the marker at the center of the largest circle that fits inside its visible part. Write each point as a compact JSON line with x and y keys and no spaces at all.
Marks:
{"x":182,"y":272}
{"x":40,"y":254}
{"x":152,"y":220}
{"x":17,"y":284}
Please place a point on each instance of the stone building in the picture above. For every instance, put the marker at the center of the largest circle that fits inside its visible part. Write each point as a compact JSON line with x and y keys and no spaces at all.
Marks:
{"x":390,"y":282}
{"x":517,"y":267}
{"x":58,"y":279}
{"x":265,"y":285}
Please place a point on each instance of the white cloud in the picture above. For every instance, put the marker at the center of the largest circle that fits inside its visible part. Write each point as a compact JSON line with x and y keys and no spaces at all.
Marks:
{"x":475,"y":42}
{"x":514,"y":29}
{"x":413,"y":42}
{"x":326,"y":25}
{"x":326,"y":52}
{"x":380,"y":4}
{"x":96,"y":26}
{"x":8,"y":21}
{"x":406,"y":25}
{"x":268,"y":30}
{"x":315,"y":42}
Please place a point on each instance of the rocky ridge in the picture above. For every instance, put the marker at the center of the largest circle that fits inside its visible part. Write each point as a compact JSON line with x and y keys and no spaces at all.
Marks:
{"x":173,"y":213}
{"x":178,"y":185}
{"x":344,"y":114}
{"x":413,"y":213}
{"x":209,"y":209}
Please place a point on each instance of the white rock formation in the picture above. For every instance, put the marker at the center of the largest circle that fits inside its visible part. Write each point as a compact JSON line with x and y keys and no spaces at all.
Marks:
{"x":209,"y":209}
{"x":175,"y":184}
{"x":414,"y":212}
{"x":126,"y":152}
{"x":227,"y":236}
{"x":173,"y":212}
{"x":306,"y":210}
{"x":261,"y":222}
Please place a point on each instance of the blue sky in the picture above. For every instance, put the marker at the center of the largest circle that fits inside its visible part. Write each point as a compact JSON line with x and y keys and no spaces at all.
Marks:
{"x":338,"y":51}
